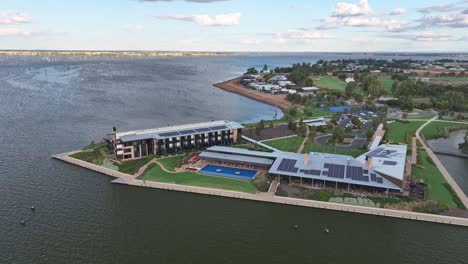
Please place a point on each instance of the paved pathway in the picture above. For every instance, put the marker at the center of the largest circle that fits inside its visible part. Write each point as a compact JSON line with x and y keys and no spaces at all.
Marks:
{"x":123,"y":178}
{"x":270,"y":139}
{"x":305,"y":140}
{"x":258,"y":143}
{"x":439,"y":165}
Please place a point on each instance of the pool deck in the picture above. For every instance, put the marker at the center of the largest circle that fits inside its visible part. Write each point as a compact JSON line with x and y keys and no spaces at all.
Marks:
{"x":122,"y":178}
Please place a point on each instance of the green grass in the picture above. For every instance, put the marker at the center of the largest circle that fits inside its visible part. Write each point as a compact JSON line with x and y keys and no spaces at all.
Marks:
{"x":132,"y":166}
{"x":425,"y":116}
{"x":94,"y":153}
{"x":315,"y":112}
{"x":398,"y":132}
{"x":425,"y":100}
{"x":437,"y":129}
{"x":170,"y":163}
{"x":329,"y":82}
{"x":286,"y":144}
{"x":386,"y":82}
{"x":429,"y":173}
{"x":313,"y":146}
{"x":155,"y":173}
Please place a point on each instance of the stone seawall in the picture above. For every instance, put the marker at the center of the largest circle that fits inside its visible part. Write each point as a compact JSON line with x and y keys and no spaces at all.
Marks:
{"x":127,"y":179}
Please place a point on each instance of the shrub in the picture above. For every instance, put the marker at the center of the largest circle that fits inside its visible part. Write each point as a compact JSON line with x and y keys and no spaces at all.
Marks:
{"x":431,"y":207}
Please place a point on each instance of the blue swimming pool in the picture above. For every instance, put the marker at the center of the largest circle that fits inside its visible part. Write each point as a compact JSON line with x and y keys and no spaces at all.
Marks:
{"x":228,"y":172}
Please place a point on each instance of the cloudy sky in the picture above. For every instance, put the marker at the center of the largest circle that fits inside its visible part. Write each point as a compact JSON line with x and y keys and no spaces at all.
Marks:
{"x":235,"y":25}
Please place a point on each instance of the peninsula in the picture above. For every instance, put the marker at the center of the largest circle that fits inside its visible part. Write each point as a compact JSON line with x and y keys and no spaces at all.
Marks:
{"x":332,"y":149}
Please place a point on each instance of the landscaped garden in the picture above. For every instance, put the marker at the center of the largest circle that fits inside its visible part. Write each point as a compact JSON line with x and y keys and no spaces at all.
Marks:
{"x":437,"y":187}
{"x":290,"y":144}
{"x":155,"y":173}
{"x":399,"y":132}
{"x":437,"y":129}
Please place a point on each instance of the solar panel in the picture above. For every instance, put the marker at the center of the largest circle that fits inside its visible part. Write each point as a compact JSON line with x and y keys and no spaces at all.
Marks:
{"x":218,"y":127}
{"x":335,"y":170}
{"x":169,"y":134}
{"x":389,"y":162}
{"x":373,"y":177}
{"x":379,"y":180}
{"x":315,"y":172}
{"x":202,"y":129}
{"x":365,"y":171}
{"x":185,"y":132}
{"x":325,"y":173}
{"x":288,"y":165}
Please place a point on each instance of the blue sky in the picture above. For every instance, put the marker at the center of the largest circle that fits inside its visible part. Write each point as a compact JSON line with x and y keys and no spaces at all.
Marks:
{"x":235,"y":25}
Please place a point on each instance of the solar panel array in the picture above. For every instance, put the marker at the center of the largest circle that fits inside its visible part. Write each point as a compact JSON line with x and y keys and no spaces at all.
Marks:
{"x":288,"y":165}
{"x":192,"y":131}
{"x":356,"y":173}
{"x":375,"y":178}
{"x":311,"y":172}
{"x":335,"y":170}
{"x":390,"y":162}
{"x":381,"y":153}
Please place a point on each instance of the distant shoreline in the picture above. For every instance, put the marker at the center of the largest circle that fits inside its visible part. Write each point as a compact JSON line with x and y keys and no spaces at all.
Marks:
{"x":233,"y":86}
{"x":98,"y":53}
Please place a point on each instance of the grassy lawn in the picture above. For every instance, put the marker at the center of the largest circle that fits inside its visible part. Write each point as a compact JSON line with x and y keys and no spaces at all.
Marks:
{"x":94,"y":153}
{"x":329,"y":82}
{"x":315,"y":112}
{"x":155,"y":173}
{"x":286,"y":144}
{"x":425,"y":100}
{"x":170,"y":163}
{"x":313,"y":146}
{"x":429,"y":173}
{"x":97,"y":154}
{"x":132,"y":166}
{"x":440,"y":129}
{"x":386,"y":82}
{"x":425,"y":116}
{"x":402,"y":132}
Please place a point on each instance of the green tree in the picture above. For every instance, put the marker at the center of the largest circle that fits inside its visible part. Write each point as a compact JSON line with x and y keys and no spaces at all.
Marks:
{"x":395,"y":85}
{"x":338,"y":134}
{"x":350,"y":88}
{"x":265,"y":68}
{"x":309,"y":82}
{"x":374,"y":88}
{"x":252,"y":70}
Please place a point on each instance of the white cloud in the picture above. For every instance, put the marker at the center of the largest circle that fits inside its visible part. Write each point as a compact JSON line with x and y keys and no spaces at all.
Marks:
{"x":229,"y":19}
{"x":302,"y":35}
{"x":398,"y":11}
{"x":439,"y":8}
{"x":458,"y":20}
{"x":250,"y":41}
{"x":16,"y":32}
{"x":134,"y":28}
{"x":344,"y":9}
{"x":425,"y":37}
{"x":10,"y":18}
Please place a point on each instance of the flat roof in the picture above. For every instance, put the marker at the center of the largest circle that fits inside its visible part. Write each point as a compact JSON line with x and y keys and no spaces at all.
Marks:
{"x":388,"y":160}
{"x":177,"y":131}
{"x":239,"y":158}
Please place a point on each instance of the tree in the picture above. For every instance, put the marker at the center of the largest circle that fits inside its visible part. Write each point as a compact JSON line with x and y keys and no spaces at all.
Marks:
{"x":350,"y":88}
{"x":312,"y":132}
{"x":271,"y":124}
{"x":456,"y":100}
{"x":252,"y":70}
{"x":309,"y":82}
{"x":338,"y":135}
{"x":342,"y":76}
{"x":374,"y":88}
{"x":292,"y":125}
{"x":356,"y":122}
{"x":258,"y":129}
{"x":395,"y":85}
{"x":265,"y":68}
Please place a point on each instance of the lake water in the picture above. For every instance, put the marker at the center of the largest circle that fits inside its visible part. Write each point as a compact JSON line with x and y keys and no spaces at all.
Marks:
{"x":51,"y":107}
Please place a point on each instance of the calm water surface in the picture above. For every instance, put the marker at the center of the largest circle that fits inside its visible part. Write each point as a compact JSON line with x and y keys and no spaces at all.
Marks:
{"x":51,"y":107}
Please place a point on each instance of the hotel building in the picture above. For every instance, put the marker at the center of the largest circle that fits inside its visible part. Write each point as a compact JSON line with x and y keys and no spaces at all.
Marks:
{"x":136,"y":144}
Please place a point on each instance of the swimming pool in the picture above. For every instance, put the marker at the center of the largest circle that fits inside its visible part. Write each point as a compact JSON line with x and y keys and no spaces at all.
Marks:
{"x":229,"y":172}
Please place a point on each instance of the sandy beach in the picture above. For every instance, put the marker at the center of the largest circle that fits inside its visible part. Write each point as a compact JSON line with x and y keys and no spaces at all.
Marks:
{"x":233,"y":86}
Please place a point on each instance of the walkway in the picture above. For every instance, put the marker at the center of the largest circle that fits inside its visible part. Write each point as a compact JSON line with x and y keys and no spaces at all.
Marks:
{"x":439,"y":165}
{"x":305,"y":140}
{"x":123,"y":178}
{"x":259,"y":143}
